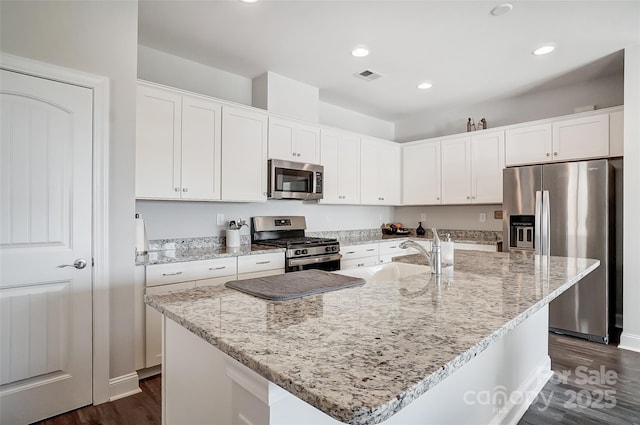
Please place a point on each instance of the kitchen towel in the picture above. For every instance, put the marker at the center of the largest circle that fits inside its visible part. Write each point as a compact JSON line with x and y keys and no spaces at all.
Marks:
{"x":142,"y":243}
{"x":288,"y":286}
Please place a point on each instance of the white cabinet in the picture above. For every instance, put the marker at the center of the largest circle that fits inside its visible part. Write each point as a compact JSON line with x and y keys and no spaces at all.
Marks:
{"x":178,"y":145}
{"x":294,"y":141}
{"x":356,"y":256}
{"x":421,"y":183}
{"x":472,"y":168}
{"x":389,"y":249}
{"x":528,"y":145}
{"x":584,"y":137}
{"x":487,"y":165}
{"x":616,"y":134}
{"x":581,"y":138}
{"x":250,"y":266}
{"x":340,"y":153}
{"x":244,"y":149}
{"x":379,"y":172}
{"x":456,"y":170}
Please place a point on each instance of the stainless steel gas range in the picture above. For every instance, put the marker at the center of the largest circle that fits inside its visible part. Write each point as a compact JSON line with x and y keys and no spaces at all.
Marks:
{"x":302,"y":252}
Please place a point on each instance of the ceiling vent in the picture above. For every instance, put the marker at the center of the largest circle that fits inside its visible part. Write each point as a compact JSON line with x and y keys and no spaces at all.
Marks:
{"x":367,"y":75}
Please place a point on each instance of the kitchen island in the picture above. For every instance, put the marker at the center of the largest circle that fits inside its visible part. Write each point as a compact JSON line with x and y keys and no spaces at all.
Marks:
{"x":405,"y":347}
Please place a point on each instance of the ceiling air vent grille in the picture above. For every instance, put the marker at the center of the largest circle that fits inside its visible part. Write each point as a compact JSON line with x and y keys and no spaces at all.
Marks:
{"x":367,"y":75}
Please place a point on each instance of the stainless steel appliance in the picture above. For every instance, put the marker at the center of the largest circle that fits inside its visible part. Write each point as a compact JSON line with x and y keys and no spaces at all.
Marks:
{"x":294,"y":180}
{"x":567,"y":210}
{"x":302,"y":252}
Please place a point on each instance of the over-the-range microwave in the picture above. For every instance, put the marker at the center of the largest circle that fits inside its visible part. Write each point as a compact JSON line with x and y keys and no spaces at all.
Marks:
{"x":294,"y":180}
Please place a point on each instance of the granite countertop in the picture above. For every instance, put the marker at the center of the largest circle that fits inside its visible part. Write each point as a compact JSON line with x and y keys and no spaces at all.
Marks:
{"x":383,"y":238}
{"x":362,"y":354}
{"x":205,"y":253}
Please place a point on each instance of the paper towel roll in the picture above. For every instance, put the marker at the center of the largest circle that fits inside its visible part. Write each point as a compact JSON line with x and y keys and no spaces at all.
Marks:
{"x":142,"y":244}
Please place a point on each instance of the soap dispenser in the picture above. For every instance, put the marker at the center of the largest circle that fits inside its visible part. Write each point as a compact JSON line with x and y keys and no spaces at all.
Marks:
{"x":420,"y":229}
{"x":447,"y":250}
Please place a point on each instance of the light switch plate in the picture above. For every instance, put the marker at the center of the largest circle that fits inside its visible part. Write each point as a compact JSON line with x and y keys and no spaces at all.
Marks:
{"x":423,"y":217}
{"x":483,"y":217}
{"x":220,"y":219}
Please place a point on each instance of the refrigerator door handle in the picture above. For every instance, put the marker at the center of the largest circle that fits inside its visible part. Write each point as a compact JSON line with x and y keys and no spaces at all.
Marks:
{"x":538,"y":229}
{"x":546,"y":224}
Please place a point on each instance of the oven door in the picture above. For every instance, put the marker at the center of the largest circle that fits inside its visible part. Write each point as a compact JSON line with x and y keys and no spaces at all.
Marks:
{"x":329,"y":263}
{"x":293,"y":180}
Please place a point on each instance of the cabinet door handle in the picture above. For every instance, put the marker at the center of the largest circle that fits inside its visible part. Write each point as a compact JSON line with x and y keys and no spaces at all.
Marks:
{"x":171,"y":274}
{"x":176,"y":189}
{"x":217,"y":268}
{"x":185,"y":189}
{"x":263,"y":262}
{"x":298,"y":154}
{"x":555,"y":153}
{"x":468,"y":197}
{"x":372,"y":249}
{"x":548,"y":154}
{"x":350,"y":252}
{"x":293,"y":154}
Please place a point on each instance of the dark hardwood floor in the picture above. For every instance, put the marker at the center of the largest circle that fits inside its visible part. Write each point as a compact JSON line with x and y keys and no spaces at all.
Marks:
{"x":593,"y":384}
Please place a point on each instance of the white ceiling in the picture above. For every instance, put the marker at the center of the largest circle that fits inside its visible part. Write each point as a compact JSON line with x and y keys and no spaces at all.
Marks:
{"x":470,"y":55}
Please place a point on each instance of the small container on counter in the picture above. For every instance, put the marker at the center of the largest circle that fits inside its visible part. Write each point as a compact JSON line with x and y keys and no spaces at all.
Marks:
{"x":446,"y":246}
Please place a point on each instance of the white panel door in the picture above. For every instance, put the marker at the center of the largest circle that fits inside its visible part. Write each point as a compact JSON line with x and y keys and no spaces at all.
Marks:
{"x":244,"y":149}
{"x":528,"y":145}
{"x":307,"y":143}
{"x":581,"y":138}
{"x":349,"y":169}
{"x":281,"y":140}
{"x":456,"y":171}
{"x":201,"y":149}
{"x":46,"y":313}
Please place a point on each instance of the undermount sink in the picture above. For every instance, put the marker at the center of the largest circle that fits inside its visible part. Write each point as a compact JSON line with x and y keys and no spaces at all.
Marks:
{"x":387,"y":272}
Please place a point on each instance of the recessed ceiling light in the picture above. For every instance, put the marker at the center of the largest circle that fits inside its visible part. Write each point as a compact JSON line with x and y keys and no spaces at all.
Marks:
{"x":425,"y":85}
{"x":248,"y":1}
{"x":360,"y":52}
{"x":543,"y":50}
{"x":501,"y":9}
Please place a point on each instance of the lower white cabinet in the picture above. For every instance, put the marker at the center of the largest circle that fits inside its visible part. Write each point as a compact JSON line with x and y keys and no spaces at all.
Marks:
{"x":355,"y":256}
{"x":164,"y":278}
{"x":390,"y":249}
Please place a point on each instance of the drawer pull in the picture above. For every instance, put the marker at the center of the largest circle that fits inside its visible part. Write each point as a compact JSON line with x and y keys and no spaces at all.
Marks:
{"x":263,"y":262}
{"x":171,"y":274}
{"x":372,"y":249}
{"x":350,"y":252}
{"x":217,"y":268}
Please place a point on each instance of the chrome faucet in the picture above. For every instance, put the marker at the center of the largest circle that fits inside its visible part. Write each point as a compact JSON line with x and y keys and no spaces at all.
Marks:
{"x":434,"y":258}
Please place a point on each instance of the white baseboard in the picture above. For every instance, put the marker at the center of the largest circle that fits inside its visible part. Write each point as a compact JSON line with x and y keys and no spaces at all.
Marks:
{"x":512,"y":413}
{"x":629,"y":342}
{"x":149,"y":372}
{"x":123,"y":386}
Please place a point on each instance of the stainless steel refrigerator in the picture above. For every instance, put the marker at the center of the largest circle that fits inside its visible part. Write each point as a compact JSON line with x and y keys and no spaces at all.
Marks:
{"x":566,"y":210}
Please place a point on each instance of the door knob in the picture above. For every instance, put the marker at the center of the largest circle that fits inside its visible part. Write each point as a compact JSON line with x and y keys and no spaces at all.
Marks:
{"x":80,"y":263}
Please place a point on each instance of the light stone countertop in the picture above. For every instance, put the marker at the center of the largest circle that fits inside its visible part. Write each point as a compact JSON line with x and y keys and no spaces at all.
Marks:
{"x":362,"y":354}
{"x":207,"y":253}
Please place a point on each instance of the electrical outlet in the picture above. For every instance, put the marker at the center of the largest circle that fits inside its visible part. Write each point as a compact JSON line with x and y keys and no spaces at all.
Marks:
{"x":220,"y":219}
{"x":423,"y":217}
{"x":483,"y":217}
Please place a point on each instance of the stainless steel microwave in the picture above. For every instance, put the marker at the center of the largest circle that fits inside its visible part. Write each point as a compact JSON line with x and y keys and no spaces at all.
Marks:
{"x":294,"y":180}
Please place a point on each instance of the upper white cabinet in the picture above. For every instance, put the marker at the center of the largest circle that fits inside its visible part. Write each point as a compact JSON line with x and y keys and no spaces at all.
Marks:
{"x":472,"y":168}
{"x":421,"y":173}
{"x":456,"y":170}
{"x":528,"y":145}
{"x":340,"y":153}
{"x":244,"y":149}
{"x":178,"y":145}
{"x":616,"y":133}
{"x":379,"y":172}
{"x":562,"y":140}
{"x":581,"y":138}
{"x":487,"y":164}
{"x":294,"y":141}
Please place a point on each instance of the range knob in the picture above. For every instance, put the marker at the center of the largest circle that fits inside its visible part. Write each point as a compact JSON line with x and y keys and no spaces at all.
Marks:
{"x":297,"y":252}
{"x":328,"y":249}
{"x":334,"y":248}
{"x":304,"y":251}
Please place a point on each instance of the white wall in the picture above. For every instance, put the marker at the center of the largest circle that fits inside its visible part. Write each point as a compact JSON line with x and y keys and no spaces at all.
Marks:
{"x":459,"y":217}
{"x":164,"y":68}
{"x":285,"y":96}
{"x":98,"y":37}
{"x":603,"y":93}
{"x":336,"y":116}
{"x":630,"y":337}
{"x":195,"y":219}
